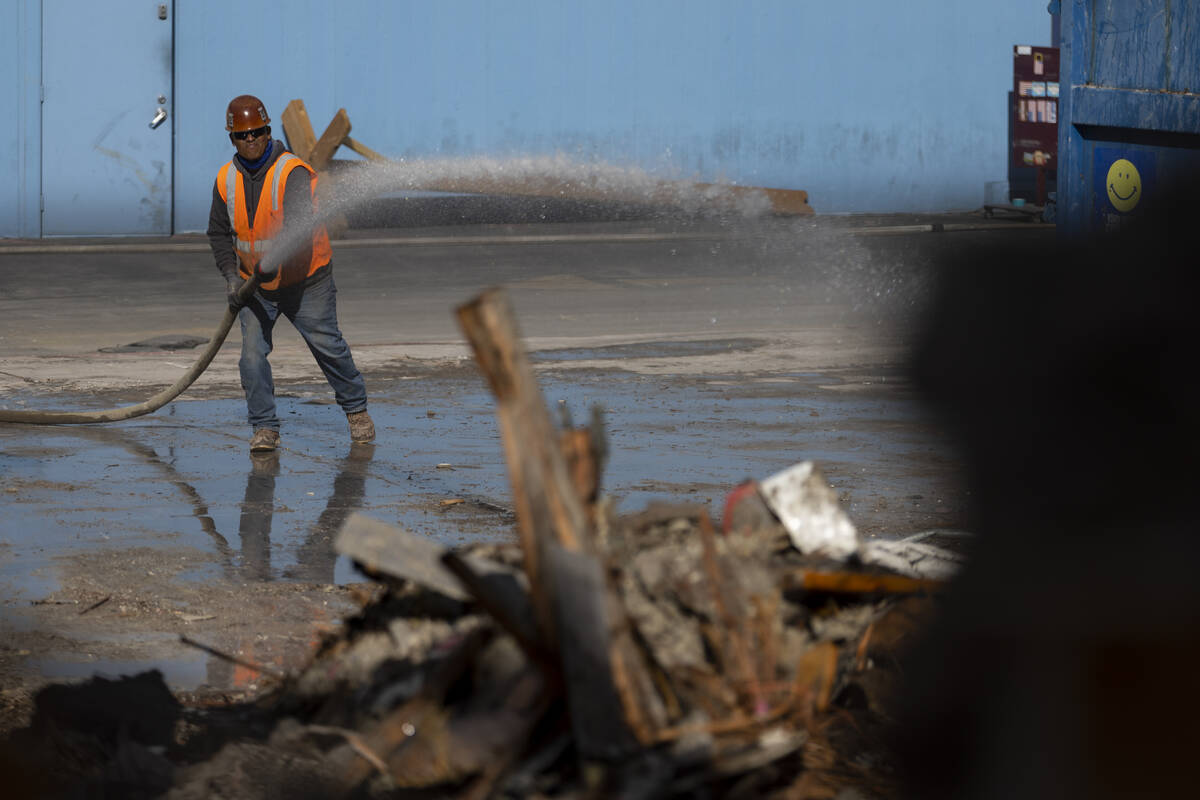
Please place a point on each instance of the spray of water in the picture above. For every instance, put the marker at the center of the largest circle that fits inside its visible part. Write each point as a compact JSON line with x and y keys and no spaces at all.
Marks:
{"x":554,"y":177}
{"x":549,"y":176}
{"x":823,"y":260}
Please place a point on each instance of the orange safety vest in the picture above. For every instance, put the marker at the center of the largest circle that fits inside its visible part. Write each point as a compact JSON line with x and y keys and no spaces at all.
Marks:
{"x":253,"y":242}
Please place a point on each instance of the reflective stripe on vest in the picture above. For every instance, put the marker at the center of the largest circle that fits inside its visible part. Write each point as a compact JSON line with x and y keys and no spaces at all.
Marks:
{"x":280,"y":163}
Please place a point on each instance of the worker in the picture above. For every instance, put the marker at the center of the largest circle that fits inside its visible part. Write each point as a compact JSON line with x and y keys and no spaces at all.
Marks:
{"x":264,"y":220}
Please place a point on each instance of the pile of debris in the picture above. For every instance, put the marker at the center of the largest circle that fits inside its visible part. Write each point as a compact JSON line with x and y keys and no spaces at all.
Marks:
{"x":649,"y":655}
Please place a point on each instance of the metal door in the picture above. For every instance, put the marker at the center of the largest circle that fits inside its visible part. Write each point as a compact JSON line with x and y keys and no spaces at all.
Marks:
{"x":106,"y":117}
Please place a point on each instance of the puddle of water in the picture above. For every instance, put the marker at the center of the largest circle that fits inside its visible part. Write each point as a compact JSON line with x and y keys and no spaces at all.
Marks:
{"x":184,"y":477}
{"x":185,"y":473}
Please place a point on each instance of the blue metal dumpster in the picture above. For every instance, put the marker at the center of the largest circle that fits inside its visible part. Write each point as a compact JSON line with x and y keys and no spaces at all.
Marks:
{"x":1129,"y":115}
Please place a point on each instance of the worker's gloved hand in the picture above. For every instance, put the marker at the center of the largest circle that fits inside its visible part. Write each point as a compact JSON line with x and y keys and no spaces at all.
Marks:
{"x":231,"y":295}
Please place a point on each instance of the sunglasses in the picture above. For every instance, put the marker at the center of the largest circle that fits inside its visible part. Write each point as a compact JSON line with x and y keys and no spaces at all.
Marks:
{"x":256,"y":133}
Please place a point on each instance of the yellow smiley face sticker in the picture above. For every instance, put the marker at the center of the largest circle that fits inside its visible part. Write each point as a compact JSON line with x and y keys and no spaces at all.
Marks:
{"x":1124,"y":185}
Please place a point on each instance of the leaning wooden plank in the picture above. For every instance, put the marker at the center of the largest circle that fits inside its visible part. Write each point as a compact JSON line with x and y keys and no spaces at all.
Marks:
{"x":331,"y":139}
{"x":363,"y":150}
{"x":393,"y":551}
{"x":548,"y":509}
{"x":491,"y":327}
{"x":298,"y":129}
{"x":609,"y":691}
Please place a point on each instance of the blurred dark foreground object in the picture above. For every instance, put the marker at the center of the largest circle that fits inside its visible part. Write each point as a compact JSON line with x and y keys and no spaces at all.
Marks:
{"x":1061,"y":667}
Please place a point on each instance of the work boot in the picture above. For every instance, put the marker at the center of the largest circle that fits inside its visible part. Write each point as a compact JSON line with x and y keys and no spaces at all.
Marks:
{"x":361,"y":427}
{"x":264,"y":440}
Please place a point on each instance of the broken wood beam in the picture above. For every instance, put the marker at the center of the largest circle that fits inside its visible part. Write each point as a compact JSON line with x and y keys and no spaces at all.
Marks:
{"x":331,"y":139}
{"x":363,"y":150}
{"x":298,"y":129}
{"x":547,"y":507}
{"x":610,"y":694}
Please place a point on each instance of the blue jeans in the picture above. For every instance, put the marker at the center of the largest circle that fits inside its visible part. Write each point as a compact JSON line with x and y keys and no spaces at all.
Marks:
{"x":313,"y":312}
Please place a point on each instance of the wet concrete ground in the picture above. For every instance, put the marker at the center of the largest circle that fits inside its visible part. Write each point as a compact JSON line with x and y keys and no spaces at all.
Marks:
{"x":184,"y":473}
{"x":716,"y":358}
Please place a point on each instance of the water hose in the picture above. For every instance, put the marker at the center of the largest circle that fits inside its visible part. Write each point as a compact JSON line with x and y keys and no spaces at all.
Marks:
{"x":157,"y":401}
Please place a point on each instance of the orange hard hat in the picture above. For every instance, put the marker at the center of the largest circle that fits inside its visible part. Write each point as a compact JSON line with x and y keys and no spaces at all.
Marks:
{"x":245,"y":113}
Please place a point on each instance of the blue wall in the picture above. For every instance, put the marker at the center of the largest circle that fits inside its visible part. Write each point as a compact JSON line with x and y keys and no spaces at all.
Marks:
{"x":875,"y":105}
{"x":20,"y":137}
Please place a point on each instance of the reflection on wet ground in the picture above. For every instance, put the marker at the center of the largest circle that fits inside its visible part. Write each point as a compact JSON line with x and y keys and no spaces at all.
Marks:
{"x":184,"y":476}
{"x":182,"y":480}
{"x":61,"y":500}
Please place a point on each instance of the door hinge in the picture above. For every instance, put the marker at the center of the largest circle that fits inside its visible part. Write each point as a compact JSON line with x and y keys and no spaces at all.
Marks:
{"x":41,"y":94}
{"x":41,"y":202}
